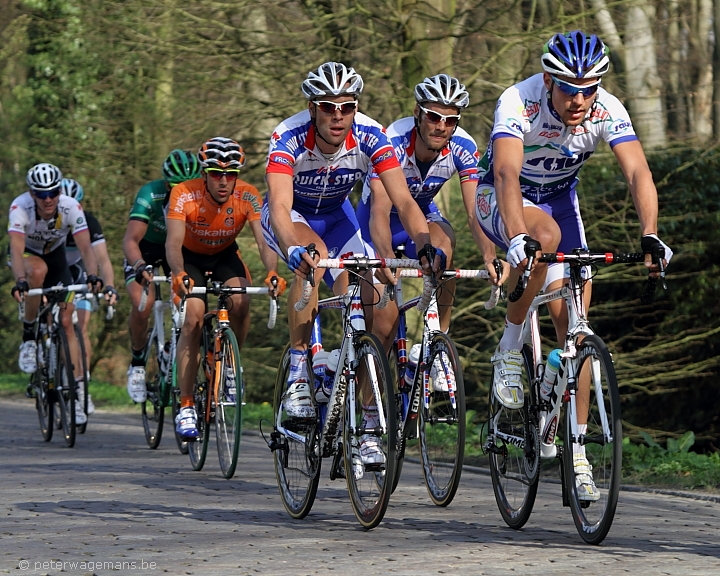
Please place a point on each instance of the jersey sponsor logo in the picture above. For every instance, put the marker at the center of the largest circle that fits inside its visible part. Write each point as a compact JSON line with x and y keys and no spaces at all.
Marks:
{"x":229,"y":210}
{"x":531,"y":110}
{"x":384,"y":156}
{"x":229,"y":222}
{"x":549,"y":126}
{"x":210,"y":233}
{"x":370,"y":139}
{"x":620,"y":126}
{"x":579,"y":130}
{"x":514,"y":125}
{"x":80,"y":220}
{"x":549,"y":134}
{"x":554,"y":164}
{"x":599,"y":114}
{"x":13,"y":207}
{"x":253,"y":200}
{"x":281,"y":159}
{"x":335,"y":179}
{"x":482,"y":202}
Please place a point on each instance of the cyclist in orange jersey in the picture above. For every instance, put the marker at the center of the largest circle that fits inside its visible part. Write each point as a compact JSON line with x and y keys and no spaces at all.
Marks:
{"x":204,"y":217}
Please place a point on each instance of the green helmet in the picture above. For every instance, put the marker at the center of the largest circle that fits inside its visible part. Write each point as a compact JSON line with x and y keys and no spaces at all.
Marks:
{"x":180,"y":166}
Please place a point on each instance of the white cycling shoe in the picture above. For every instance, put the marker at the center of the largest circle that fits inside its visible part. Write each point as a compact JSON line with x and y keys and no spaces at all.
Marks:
{"x":507,"y":382}
{"x":136,"y":384}
{"x":584,"y":483}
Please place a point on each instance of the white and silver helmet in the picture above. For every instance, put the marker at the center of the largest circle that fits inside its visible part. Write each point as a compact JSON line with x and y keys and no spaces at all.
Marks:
{"x":43,"y":178}
{"x":443,"y":89}
{"x":332,"y":79}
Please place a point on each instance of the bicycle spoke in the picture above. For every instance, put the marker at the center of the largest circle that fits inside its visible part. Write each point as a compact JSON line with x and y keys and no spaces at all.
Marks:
{"x":228,"y":414}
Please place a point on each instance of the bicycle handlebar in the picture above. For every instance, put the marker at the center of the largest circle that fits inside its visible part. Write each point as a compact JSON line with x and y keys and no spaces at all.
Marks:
{"x":217,"y":290}
{"x":146,"y":289}
{"x":532,"y":247}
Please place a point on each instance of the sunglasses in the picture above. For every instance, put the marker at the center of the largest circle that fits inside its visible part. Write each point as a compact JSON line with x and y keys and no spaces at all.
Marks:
{"x":574,"y":89}
{"x":331,"y":107}
{"x":217,"y":173}
{"x":435,"y":118}
{"x":44,"y":194}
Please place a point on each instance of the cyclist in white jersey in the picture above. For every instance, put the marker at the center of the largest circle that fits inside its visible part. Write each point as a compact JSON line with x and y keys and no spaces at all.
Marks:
{"x":315,"y":159}
{"x":431,"y":148}
{"x":38,"y":225}
{"x":545,"y":128}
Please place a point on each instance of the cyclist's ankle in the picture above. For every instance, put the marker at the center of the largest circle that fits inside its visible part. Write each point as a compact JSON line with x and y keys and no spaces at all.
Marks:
{"x":28,"y":331}
{"x":298,"y":365}
{"x":187,"y":402}
{"x":138,"y":359}
{"x":512,"y":336}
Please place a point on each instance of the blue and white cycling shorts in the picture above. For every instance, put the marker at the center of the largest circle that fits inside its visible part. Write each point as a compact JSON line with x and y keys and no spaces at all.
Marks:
{"x":339,"y":230}
{"x":399,"y":235}
{"x":565,"y":210}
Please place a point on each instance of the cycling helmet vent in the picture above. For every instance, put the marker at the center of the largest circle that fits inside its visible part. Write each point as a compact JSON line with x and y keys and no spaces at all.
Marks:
{"x":222,"y":153}
{"x":43,"y":177}
{"x":72,"y":188}
{"x":332,"y":79}
{"x":575,"y":55}
{"x":180,"y":166}
{"x":443,"y":89}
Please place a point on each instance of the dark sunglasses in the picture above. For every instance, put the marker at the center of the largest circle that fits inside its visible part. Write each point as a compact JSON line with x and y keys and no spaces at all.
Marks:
{"x":217,"y":173}
{"x":330,"y":107}
{"x":574,"y":89}
{"x":435,"y":118}
{"x":42,"y":195}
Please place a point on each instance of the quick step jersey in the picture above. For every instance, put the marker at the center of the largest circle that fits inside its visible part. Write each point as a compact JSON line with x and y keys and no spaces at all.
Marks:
{"x":553,"y":152}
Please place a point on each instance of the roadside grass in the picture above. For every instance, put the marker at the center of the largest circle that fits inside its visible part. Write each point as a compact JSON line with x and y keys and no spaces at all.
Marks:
{"x":647,"y":464}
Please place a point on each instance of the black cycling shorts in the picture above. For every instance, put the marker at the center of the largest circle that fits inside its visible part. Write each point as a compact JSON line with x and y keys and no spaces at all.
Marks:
{"x":153,"y":254}
{"x":221,"y":266}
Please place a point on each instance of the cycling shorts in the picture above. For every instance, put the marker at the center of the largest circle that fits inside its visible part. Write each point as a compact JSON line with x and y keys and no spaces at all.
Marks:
{"x":565,"y":210}
{"x":223,"y":266}
{"x":57,"y":268}
{"x":339,"y":230}
{"x":399,"y":235}
{"x":153,"y":254}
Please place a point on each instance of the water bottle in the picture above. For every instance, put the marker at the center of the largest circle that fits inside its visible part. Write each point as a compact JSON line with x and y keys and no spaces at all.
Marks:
{"x":319,"y":366}
{"x":551,"y":370}
{"x":413,"y":359}
{"x":165,"y":357}
{"x":323,"y":392}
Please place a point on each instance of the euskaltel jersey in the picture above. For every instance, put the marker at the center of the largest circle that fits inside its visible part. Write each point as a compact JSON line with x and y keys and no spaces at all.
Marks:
{"x":321,"y":186}
{"x":552,"y":152}
{"x":44,"y":236}
{"x":459,"y":156}
{"x":211,"y":227}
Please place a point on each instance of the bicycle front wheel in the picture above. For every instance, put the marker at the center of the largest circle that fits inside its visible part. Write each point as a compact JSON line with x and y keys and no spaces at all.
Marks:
{"x":65,"y":387}
{"x":513,"y":447}
{"x":594,"y":510}
{"x":197,"y":450}
{"x":86,"y":374}
{"x":228,"y":404}
{"x":296,"y":452}
{"x":153,"y":409}
{"x":442,"y":422}
{"x":369,"y":443}
{"x":43,"y":395}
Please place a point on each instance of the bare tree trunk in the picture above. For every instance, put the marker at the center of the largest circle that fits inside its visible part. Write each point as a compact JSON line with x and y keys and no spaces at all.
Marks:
{"x":643,"y":82}
{"x":164,"y":86}
{"x":702,"y":95}
{"x":677,"y":114}
{"x":716,"y":70}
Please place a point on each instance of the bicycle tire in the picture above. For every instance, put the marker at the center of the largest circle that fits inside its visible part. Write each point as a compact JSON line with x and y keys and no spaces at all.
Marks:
{"x":86,"y":372}
{"x":43,"y":394}
{"x":400,"y":438}
{"x":175,"y":404}
{"x":197,"y":450}
{"x":604,"y":453}
{"x":369,"y":484}
{"x":297,"y":464}
{"x":442,"y":425}
{"x":153,"y":408}
{"x":65,"y":387}
{"x":228,"y":404}
{"x":514,"y":478}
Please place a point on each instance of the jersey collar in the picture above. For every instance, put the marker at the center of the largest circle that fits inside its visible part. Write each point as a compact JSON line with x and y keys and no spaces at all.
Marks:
{"x":311,"y":139}
{"x":410,"y":150}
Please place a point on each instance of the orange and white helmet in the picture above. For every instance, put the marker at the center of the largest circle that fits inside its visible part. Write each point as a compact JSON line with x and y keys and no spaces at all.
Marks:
{"x":223,"y":153}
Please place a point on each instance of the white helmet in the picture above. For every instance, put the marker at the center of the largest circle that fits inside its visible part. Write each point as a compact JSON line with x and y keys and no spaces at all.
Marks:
{"x":332,"y":79}
{"x":43,"y":177}
{"x":443,"y":89}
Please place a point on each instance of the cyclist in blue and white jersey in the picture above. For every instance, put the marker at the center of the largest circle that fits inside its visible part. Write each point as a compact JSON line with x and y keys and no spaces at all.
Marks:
{"x":315,"y":159}
{"x":431,"y":148}
{"x":545,"y":128}
{"x":83,"y":305}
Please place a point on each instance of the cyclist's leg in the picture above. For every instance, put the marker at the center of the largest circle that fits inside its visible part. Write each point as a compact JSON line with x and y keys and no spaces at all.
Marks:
{"x":231,"y":270}
{"x":442,"y":236}
{"x":36,"y":270}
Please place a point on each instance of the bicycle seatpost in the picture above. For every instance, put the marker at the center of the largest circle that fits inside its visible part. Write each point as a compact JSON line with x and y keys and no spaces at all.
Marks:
{"x":531,"y":248}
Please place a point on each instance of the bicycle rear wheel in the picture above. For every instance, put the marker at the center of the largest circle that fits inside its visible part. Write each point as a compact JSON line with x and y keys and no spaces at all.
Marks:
{"x":153,"y":409}
{"x":442,"y":424}
{"x":86,"y":374}
{"x":603,"y":443}
{"x":370,"y":473}
{"x":65,"y":387}
{"x":228,"y":404}
{"x":398,"y":395}
{"x":197,"y":450}
{"x":297,"y":455}
{"x":513,"y":447}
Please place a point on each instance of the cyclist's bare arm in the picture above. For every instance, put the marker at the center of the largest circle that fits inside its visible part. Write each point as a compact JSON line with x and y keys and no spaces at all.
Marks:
{"x":631,"y":158}
{"x":486,"y":246}
{"x":105,"y":266}
{"x":173,"y":246}
{"x":507,"y":160}
{"x":380,"y":233}
{"x":280,"y":200}
{"x":82,"y":241}
{"x":135,"y":232}
{"x":17,"y":265}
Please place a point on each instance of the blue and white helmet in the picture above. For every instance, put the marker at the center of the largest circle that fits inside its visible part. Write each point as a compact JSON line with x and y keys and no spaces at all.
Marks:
{"x":72,"y":188}
{"x":575,"y":55}
{"x":43,"y":178}
{"x":332,"y":79}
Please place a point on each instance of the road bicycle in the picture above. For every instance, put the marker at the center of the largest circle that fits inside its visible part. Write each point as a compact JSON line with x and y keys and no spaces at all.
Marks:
{"x":430,"y":396}
{"x":362,"y":380}
{"x":53,"y":382}
{"x":220,"y":387}
{"x":518,"y":439}
{"x":159,"y":358}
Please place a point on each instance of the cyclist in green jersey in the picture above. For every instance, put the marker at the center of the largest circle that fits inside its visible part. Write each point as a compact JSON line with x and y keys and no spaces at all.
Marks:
{"x":144,"y":244}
